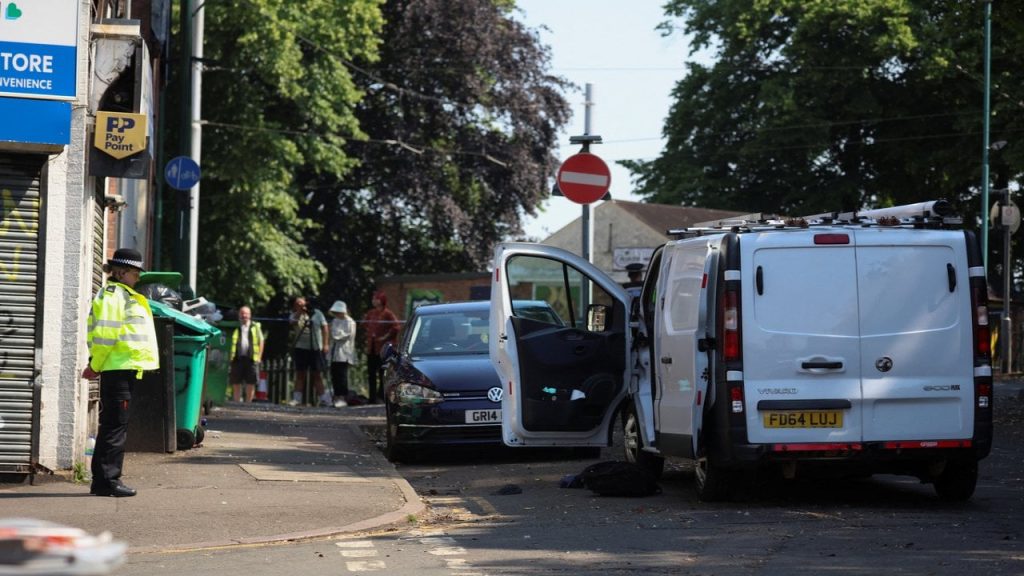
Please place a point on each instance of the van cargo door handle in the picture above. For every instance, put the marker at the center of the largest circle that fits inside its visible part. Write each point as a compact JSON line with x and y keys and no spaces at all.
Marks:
{"x":666,"y":359}
{"x":579,"y":350}
{"x":951,"y":273}
{"x":828,"y":365}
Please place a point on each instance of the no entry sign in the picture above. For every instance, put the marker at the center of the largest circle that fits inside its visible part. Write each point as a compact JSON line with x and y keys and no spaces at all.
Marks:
{"x":584,"y":178}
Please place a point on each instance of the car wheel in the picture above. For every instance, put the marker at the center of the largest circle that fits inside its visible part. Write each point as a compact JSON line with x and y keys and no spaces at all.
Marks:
{"x":633,"y":445}
{"x":957,"y":480}
{"x":394,"y":451}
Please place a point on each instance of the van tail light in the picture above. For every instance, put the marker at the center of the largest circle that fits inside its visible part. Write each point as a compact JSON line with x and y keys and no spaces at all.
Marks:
{"x":731,"y":326}
{"x":736,"y":397}
{"x":982,"y":332}
{"x":983,"y":394}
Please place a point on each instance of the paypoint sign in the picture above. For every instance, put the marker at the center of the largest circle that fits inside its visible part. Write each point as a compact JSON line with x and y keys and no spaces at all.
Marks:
{"x":120,"y":134}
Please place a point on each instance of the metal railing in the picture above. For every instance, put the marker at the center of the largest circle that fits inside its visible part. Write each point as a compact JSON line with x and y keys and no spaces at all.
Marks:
{"x":281,"y":380}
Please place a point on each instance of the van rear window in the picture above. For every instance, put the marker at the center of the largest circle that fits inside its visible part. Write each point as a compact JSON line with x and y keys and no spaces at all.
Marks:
{"x":906,"y":289}
{"x":805,"y":290}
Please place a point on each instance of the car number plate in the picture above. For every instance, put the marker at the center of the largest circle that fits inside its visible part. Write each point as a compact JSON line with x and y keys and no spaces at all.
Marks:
{"x":483,"y":416}
{"x":804,"y":419}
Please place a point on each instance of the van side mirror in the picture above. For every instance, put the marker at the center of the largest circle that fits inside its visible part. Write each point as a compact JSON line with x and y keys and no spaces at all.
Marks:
{"x":597,"y":317}
{"x":388,"y":352}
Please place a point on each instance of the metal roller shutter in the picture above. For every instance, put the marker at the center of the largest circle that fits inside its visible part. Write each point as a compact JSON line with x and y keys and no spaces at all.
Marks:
{"x":20,"y":297}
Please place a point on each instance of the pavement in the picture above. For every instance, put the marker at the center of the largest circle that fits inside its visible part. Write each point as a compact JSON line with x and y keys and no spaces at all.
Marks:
{"x":264,"y":474}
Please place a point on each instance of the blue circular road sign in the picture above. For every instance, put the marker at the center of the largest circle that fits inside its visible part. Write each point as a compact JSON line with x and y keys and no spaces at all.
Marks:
{"x":182,"y":173}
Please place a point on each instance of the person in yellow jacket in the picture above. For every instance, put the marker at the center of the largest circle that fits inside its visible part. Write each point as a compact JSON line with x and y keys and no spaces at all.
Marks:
{"x":246,"y":351}
{"x":122,"y":346}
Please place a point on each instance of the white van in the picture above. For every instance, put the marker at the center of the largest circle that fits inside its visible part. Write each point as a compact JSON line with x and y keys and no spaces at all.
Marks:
{"x":857,"y":343}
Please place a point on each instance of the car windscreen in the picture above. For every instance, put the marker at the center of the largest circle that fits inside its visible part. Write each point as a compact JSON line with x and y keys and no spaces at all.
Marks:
{"x":448,"y":334}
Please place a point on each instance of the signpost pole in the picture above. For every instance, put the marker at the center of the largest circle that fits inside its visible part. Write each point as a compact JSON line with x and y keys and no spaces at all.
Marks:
{"x":587,"y":219}
{"x":184,"y":202}
{"x":587,"y":241}
{"x":1006,"y":333}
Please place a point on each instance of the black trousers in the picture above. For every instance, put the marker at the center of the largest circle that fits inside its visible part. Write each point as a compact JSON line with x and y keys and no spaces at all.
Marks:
{"x":115,"y":399}
{"x":373,"y":376}
{"x":339,"y":379}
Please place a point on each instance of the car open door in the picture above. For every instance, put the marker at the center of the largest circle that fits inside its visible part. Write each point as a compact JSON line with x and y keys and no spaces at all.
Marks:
{"x":565,"y":373}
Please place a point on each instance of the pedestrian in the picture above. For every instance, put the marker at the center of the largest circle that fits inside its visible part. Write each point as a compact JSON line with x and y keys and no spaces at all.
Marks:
{"x":246,"y":351}
{"x":309,"y":340}
{"x":381,"y":329}
{"x":343,"y":351}
{"x":122,"y":346}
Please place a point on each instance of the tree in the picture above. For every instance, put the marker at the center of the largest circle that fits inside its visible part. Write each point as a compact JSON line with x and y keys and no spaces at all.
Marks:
{"x":278,"y":101}
{"x":820,"y":105}
{"x":461,"y":118}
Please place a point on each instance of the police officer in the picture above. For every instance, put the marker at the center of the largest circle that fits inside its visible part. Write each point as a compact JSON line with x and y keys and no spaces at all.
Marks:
{"x":635,"y":285}
{"x":122,"y":345}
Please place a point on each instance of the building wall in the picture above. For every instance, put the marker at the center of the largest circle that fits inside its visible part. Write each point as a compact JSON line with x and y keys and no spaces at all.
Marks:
{"x":452,"y":288}
{"x":65,"y":283}
{"x":613,"y":228}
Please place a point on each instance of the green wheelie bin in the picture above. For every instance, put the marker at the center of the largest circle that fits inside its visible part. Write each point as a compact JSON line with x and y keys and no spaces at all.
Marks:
{"x":192,"y":338}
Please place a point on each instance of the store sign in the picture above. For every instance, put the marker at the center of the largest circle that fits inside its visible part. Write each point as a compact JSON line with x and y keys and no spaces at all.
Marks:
{"x":622,"y":257}
{"x":38,"y":48}
{"x":120,"y":134}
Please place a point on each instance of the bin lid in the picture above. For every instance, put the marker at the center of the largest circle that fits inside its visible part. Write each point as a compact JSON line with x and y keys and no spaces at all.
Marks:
{"x":200,"y":327}
{"x":169,"y":279}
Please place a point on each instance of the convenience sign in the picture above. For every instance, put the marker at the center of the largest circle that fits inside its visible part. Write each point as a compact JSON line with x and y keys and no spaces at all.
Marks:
{"x":38,"y":48}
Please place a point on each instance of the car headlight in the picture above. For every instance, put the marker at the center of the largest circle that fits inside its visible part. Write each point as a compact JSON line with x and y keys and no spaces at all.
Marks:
{"x":407,"y":393}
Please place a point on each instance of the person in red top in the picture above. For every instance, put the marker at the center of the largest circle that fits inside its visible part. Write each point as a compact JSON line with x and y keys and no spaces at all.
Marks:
{"x":381,"y":328}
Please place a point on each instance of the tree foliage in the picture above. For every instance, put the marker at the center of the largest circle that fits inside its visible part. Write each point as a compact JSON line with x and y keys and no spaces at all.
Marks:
{"x":349,"y":139}
{"x":461,"y":119}
{"x":818,"y":105}
{"x":278,"y":101}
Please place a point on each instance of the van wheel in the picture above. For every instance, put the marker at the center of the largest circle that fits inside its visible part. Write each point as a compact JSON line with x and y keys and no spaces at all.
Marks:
{"x":957,"y":481}
{"x":712,"y":481}
{"x":633,"y":445}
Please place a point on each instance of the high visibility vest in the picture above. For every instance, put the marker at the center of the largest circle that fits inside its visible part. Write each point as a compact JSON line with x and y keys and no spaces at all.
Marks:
{"x":255,"y":340}
{"x":121,"y":332}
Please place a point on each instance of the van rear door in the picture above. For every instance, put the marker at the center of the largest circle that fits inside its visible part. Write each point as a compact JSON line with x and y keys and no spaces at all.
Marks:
{"x":562,"y":379}
{"x":681,"y":323}
{"x":917,"y":362}
{"x":800,"y":332}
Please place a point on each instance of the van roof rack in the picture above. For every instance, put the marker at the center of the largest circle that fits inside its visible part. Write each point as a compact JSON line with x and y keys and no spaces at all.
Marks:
{"x":931,"y":214}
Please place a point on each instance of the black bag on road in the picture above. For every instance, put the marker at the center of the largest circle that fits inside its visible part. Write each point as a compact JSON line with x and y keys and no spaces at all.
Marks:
{"x":615,"y":478}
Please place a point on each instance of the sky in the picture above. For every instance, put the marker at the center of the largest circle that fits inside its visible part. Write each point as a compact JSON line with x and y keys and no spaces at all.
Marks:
{"x":614,"y":46}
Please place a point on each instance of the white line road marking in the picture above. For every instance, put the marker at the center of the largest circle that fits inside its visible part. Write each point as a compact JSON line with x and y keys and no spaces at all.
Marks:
{"x":437,"y":540}
{"x":447,"y":551}
{"x":365,"y":565}
{"x":359,"y":553}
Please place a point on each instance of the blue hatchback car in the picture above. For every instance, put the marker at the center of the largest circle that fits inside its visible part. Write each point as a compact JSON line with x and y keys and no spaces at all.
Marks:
{"x":440,"y":387}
